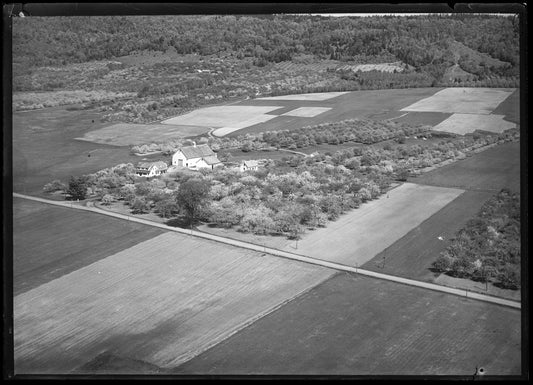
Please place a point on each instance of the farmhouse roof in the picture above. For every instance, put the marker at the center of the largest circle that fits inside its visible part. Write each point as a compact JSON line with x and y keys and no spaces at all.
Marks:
{"x":251,"y":163}
{"x":146,"y":165}
{"x":211,"y":160}
{"x":200,"y":151}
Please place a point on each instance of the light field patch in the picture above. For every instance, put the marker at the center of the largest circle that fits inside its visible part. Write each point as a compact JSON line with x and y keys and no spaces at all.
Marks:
{"x":127,"y":134}
{"x":246,"y":123}
{"x":357,"y":236}
{"x":462,"y":100}
{"x":317,"y":96}
{"x":221,"y":116}
{"x":307,"y":112}
{"x":161,"y":301}
{"x":467,"y":123}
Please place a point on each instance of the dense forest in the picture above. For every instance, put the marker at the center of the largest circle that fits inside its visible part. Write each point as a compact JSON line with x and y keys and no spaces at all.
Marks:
{"x":424,"y":42}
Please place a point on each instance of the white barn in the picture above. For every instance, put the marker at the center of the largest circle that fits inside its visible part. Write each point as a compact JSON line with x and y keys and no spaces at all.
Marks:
{"x":196,"y":157}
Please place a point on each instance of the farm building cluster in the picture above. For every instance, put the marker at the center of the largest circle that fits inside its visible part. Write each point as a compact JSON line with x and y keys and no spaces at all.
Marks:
{"x":195,"y":157}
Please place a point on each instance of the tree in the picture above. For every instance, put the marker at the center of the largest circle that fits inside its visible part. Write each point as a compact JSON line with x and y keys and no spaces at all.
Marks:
{"x":55,"y":185}
{"x":140,"y":206}
{"x":166,"y":208}
{"x":77,"y":188}
{"x":192,"y":196}
{"x":510,"y":277}
{"x":107,"y":199}
{"x":443,"y":262}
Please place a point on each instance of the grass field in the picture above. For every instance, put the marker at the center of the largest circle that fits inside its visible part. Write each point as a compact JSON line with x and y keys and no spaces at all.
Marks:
{"x":462,"y":100}
{"x":44,"y":147}
{"x":362,"y":326}
{"x":128,"y":134}
{"x":220,"y":116}
{"x":467,"y":123}
{"x":359,"y":235}
{"x":307,"y":112}
{"x":160,"y":302}
{"x":51,"y":241}
{"x":317,"y":96}
{"x":492,"y":169}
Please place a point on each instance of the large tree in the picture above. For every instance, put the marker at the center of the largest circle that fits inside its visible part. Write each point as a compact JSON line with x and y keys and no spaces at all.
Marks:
{"x":77,"y":188}
{"x":192,"y":196}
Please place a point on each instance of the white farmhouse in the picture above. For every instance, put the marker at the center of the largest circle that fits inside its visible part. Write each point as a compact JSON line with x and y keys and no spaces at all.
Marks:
{"x":147,"y":169}
{"x":196,"y":157}
{"x":246,"y":165}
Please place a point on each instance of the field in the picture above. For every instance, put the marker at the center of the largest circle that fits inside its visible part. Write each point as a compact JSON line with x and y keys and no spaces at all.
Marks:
{"x":492,"y":169}
{"x":462,"y":100}
{"x":160,"y":302}
{"x":411,"y":256}
{"x":220,"y":116}
{"x":307,"y":112}
{"x":128,"y":134}
{"x":51,"y":241}
{"x":317,"y":96}
{"x":359,"y":235}
{"x":352,"y":325}
{"x":510,"y":107}
{"x":467,"y":123}
{"x":482,"y":175}
{"x":349,"y":105}
{"x":45,"y":148}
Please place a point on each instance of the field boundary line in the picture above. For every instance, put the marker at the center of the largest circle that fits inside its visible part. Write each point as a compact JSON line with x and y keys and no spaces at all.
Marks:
{"x":284,"y":254}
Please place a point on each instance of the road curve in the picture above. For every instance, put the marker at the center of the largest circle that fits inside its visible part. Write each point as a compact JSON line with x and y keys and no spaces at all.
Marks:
{"x":284,"y":254}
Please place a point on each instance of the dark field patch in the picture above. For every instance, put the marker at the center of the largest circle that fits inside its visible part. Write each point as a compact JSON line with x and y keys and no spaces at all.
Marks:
{"x":412,"y":255}
{"x":51,"y":241}
{"x":364,"y":326}
{"x":492,"y":169}
{"x":510,"y":107}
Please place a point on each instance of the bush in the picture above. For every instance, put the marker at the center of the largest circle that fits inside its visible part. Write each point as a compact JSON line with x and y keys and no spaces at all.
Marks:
{"x":509,"y":277}
{"x":55,"y":185}
{"x":443,"y":263}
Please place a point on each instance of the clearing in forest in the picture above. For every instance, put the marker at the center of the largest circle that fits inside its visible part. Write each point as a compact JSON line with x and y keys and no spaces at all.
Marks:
{"x":462,"y":100}
{"x":467,"y":123}
{"x":161,"y":302}
{"x":357,"y":236}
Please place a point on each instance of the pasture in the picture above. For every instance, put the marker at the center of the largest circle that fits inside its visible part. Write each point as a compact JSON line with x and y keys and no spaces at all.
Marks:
{"x":129,"y":134}
{"x":45,"y":148}
{"x":161,"y":302}
{"x":462,"y":100}
{"x":351,"y":325}
{"x":492,"y":169}
{"x":467,"y":123}
{"x":220,"y":116}
{"x":357,"y":236}
{"x":307,"y":112}
{"x":51,"y":241}
{"x":316,"y":96}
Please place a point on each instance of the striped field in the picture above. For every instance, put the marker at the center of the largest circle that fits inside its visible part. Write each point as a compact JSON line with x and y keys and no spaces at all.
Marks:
{"x":161,"y":302}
